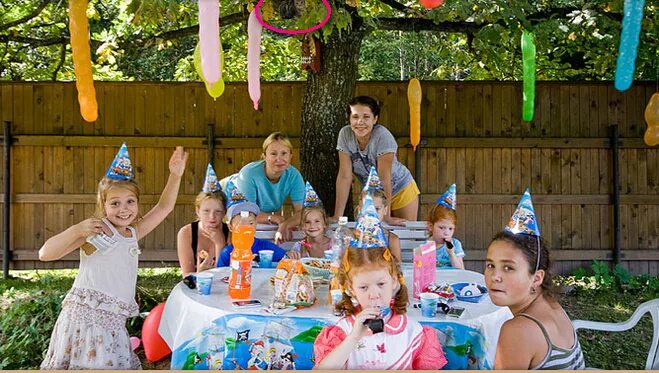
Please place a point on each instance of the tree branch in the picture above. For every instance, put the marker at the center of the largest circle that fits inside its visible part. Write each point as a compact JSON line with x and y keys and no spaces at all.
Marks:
{"x":60,"y":63}
{"x":28,"y":17}
{"x":32,"y":41}
{"x":398,"y":6}
{"x":422,"y":24}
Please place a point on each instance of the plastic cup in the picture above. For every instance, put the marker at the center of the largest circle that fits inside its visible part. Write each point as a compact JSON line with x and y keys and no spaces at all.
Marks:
{"x":329,"y":254}
{"x":204,"y":282}
{"x":265,"y":258}
{"x":429,"y":304}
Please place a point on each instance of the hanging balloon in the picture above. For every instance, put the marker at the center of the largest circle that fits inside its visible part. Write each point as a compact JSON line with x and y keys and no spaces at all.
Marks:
{"x":254,"y":29}
{"x":209,"y":39}
{"x":631,"y":31}
{"x":82,"y":63}
{"x":414,"y":96}
{"x":652,"y":119}
{"x":430,"y":4}
{"x":214,"y":90}
{"x":528,"y":67}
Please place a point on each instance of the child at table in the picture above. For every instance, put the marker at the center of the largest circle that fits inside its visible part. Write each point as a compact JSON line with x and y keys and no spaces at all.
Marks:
{"x":441,"y":226}
{"x":314,"y":224}
{"x":235,"y":205}
{"x":540,"y":335}
{"x":90,"y":332}
{"x":374,"y":289}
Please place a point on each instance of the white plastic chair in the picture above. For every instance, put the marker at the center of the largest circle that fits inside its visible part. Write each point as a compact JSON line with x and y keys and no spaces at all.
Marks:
{"x":652,"y":307}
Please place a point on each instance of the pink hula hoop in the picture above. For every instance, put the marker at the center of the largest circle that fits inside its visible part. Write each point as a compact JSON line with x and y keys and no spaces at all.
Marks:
{"x":257,"y":13}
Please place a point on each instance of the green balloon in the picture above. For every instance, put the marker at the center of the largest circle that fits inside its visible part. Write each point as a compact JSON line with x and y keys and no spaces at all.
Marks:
{"x":217,"y":89}
{"x":528,"y":67}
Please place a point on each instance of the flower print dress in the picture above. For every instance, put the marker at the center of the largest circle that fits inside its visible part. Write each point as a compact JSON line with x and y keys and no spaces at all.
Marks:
{"x":90,"y":332}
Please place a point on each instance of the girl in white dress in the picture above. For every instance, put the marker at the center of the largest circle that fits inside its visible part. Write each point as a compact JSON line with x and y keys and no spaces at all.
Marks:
{"x":90,"y":332}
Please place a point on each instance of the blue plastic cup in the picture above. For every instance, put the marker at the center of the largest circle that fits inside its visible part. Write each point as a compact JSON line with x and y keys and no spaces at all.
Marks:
{"x":204,"y":282}
{"x":265,"y":258}
{"x":429,"y":304}
{"x":329,"y":254}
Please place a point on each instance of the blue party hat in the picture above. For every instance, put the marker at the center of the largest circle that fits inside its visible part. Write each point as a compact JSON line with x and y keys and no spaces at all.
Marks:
{"x":121,"y":168}
{"x":211,"y":184}
{"x":373,"y":182}
{"x":237,"y":202}
{"x":368,"y":233}
{"x":448,"y":198}
{"x":310,"y":197}
{"x":523,"y":220}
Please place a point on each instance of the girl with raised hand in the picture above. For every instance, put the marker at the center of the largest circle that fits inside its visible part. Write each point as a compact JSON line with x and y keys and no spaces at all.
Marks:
{"x":90,"y":332}
{"x":375,"y":332}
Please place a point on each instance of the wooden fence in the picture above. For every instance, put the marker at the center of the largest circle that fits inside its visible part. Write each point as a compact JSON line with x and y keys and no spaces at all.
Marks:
{"x":473,"y":132}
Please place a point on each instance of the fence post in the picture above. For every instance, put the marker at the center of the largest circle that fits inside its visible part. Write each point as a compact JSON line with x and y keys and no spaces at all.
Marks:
{"x":6,"y":253}
{"x":210,"y":142}
{"x":616,"y":193}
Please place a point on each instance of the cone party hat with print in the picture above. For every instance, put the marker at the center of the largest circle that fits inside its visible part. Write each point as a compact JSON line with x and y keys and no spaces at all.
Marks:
{"x":523,"y":220}
{"x":448,"y":198}
{"x":373,"y":182}
{"x":121,"y":168}
{"x":236,"y":201}
{"x":211,"y":184}
{"x":368,"y":233}
{"x":310,"y":197}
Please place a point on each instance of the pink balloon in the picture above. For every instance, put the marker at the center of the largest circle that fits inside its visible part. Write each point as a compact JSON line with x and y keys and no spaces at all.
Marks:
{"x":209,"y":39}
{"x":134,"y":343}
{"x":254,"y":59}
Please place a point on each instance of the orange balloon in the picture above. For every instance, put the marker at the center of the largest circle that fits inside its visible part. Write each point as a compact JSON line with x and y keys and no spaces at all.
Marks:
{"x":414,"y":96}
{"x":652,"y":119}
{"x":82,"y":63}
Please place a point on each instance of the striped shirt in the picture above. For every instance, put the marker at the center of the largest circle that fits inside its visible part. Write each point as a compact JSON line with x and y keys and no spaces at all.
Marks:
{"x":559,"y":358}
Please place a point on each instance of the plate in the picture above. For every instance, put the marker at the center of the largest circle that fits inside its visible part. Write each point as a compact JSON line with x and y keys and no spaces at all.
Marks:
{"x":313,"y":266}
{"x":469,"y":291}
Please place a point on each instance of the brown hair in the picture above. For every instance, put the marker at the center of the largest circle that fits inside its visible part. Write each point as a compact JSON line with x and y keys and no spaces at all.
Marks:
{"x":356,"y":259}
{"x":277,"y":136}
{"x":104,"y":187}
{"x":369,"y":101}
{"x":529,"y":246}
{"x":218,"y":195}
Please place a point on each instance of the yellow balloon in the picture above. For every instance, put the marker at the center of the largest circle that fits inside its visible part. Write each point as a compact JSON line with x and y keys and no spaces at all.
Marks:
{"x":218,"y":88}
{"x":82,"y":63}
{"x":414,"y":96}
{"x":652,"y":119}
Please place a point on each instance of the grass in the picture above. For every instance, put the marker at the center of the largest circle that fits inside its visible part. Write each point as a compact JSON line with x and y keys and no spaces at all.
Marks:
{"x":30,"y":303}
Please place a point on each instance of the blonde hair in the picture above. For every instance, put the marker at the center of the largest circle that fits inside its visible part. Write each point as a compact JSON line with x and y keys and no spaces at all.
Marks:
{"x":277,"y":136}
{"x":307,"y":210}
{"x":105,"y":185}
{"x":218,"y":195}
{"x":356,"y":260}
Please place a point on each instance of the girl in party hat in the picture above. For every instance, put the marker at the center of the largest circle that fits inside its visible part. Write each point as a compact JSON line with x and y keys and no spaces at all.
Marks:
{"x":90,"y":332}
{"x":517,"y":275}
{"x":441,"y":226}
{"x":199,"y":243}
{"x":374,"y":187}
{"x":314,"y":225}
{"x":375,"y":332}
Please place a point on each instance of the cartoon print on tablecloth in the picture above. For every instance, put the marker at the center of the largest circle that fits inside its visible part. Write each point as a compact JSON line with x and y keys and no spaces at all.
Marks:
{"x":463,"y":345}
{"x":204,"y":352}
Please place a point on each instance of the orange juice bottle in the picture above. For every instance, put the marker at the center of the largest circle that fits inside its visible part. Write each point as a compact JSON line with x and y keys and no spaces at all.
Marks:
{"x":241,"y":259}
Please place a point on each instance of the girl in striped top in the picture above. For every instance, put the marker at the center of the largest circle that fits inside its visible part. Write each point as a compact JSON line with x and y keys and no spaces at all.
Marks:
{"x":540,"y":335}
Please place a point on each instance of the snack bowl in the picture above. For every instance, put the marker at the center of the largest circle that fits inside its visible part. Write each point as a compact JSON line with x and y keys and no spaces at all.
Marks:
{"x":317,"y":267}
{"x":469,"y":292}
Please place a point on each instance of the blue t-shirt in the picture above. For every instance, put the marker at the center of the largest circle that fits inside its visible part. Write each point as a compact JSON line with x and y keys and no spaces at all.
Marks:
{"x":258,"y":245}
{"x":269,"y":196}
{"x":443,"y":259}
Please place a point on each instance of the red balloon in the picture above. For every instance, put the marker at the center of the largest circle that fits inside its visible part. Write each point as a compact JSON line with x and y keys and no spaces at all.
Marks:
{"x":155,"y":348}
{"x":429,"y":4}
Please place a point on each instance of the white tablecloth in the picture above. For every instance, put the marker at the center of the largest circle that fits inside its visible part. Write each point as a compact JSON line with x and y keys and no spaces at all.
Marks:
{"x":187,"y":312}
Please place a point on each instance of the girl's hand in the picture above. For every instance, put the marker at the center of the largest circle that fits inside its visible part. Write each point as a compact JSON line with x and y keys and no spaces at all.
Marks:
{"x":90,"y":227}
{"x":276,"y":219}
{"x":177,"y":161}
{"x":293,"y":254}
{"x":215,"y":235}
{"x":392,"y":220}
{"x":359,"y":329}
{"x":204,"y":261}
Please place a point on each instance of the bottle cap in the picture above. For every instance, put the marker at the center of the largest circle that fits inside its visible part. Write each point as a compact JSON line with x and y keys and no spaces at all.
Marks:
{"x":244,"y":214}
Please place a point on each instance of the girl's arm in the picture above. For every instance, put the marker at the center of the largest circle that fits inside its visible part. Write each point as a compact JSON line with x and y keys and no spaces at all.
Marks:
{"x":456,"y":261}
{"x":394,"y":246}
{"x":284,"y":232}
{"x":518,"y":341}
{"x":385,"y":164}
{"x":72,"y":238}
{"x":184,"y":250}
{"x":343,"y":183}
{"x":168,"y":197}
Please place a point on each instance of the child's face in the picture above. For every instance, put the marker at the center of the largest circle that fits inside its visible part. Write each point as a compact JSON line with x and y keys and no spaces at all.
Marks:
{"x":210,"y":213}
{"x":507,"y":274}
{"x":380,"y":207}
{"x":442,"y":230}
{"x":235,"y":221}
{"x":121,"y":206}
{"x":314,"y":224}
{"x":373,"y":287}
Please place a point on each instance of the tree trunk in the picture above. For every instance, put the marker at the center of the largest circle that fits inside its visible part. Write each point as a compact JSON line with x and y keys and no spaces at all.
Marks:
{"x":324,"y":110}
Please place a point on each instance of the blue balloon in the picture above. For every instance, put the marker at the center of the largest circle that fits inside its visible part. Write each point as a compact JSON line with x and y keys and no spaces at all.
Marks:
{"x":631,"y":30}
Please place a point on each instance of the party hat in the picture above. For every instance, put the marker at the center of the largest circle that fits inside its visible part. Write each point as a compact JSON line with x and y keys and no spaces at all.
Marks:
{"x":448,"y":198}
{"x":237,"y":202}
{"x":368,"y":233}
{"x":523,"y":220}
{"x":121,"y":168}
{"x":211,"y":184}
{"x":373,"y":182}
{"x":310,"y":197}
